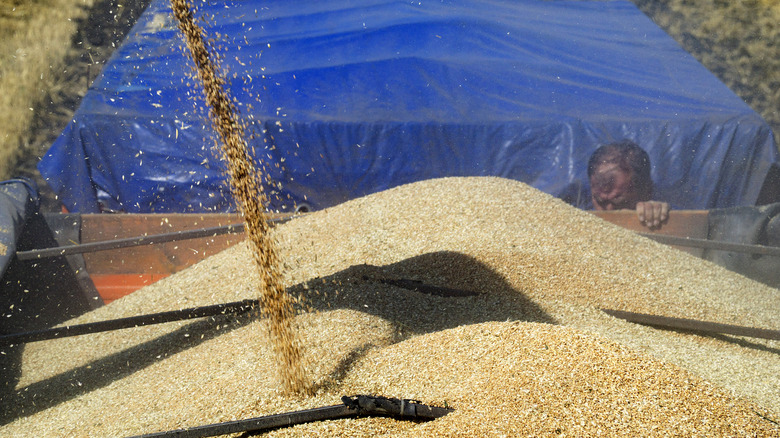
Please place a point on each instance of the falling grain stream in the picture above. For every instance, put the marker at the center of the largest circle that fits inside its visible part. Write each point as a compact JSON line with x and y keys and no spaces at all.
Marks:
{"x":247,"y":189}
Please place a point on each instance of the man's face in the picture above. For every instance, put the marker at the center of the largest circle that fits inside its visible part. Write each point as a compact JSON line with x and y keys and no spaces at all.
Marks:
{"x":612,"y":189}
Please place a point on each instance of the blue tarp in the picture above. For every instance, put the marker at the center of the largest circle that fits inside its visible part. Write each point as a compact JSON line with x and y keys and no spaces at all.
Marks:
{"x":349,"y":97}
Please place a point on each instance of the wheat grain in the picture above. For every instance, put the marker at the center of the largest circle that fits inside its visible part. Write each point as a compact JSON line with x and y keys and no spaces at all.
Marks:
{"x":530,"y":355}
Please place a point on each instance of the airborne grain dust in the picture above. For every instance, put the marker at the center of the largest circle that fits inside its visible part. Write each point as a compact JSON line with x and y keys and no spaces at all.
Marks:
{"x":247,"y":189}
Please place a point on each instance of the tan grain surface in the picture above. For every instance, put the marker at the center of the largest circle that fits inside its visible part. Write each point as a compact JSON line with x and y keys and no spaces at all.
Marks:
{"x":531,"y":355}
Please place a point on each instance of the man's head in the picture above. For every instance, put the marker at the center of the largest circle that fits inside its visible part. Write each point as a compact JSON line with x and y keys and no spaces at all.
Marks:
{"x":619,"y":175}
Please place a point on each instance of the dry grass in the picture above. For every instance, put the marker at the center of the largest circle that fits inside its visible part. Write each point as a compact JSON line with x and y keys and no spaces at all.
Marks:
{"x":37,"y":37}
{"x":531,"y":355}
{"x":736,"y":40}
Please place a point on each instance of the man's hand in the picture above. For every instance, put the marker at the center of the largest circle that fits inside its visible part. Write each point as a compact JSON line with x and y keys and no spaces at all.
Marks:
{"x":652,"y":213}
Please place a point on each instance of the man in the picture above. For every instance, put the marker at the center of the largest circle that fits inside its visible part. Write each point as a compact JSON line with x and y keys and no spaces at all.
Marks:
{"x":619,"y":175}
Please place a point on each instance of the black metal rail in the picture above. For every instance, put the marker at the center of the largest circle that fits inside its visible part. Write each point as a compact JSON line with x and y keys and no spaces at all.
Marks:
{"x":713,"y":244}
{"x":355,"y":406}
{"x":129,"y":242}
{"x":129,"y":322}
{"x":693,"y":325}
{"x":424,"y":288}
{"x":138,"y":241}
{"x":238,"y":228}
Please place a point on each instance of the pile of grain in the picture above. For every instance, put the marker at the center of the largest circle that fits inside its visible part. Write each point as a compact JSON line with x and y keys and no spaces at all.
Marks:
{"x":531,"y":354}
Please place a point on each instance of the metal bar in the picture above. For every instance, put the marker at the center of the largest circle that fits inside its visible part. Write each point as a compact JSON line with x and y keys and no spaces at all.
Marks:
{"x":394,"y":407}
{"x":693,"y":325}
{"x":260,"y":423}
{"x":354,"y":406}
{"x":421,"y":287}
{"x":713,"y":244}
{"x":129,"y":322}
{"x":129,"y":242}
{"x":137,"y":241}
{"x":238,"y":228}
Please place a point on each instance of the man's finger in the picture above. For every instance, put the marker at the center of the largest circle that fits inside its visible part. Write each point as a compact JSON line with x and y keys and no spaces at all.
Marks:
{"x":657,"y":211}
{"x":640,"y":212}
{"x":664,"y":211}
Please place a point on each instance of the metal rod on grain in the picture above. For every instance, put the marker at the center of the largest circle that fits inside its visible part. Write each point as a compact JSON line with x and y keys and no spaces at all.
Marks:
{"x":713,"y":244}
{"x":129,"y":322}
{"x":351,"y":407}
{"x":693,"y":325}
